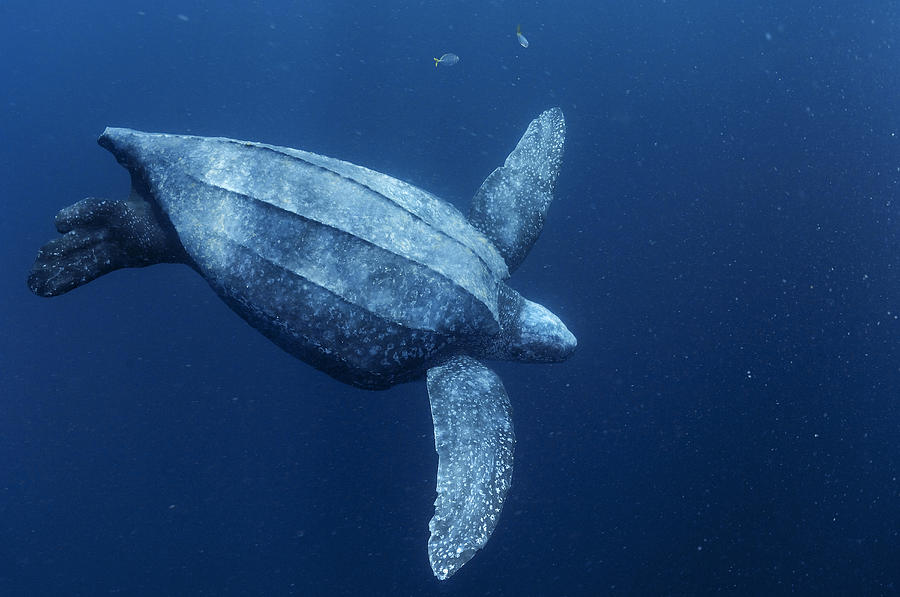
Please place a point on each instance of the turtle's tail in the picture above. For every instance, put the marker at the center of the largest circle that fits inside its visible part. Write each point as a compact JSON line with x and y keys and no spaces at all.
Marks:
{"x":100,"y":236}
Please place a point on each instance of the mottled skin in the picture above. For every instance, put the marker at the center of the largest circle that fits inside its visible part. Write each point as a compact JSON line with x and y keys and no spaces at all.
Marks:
{"x":365,"y":277}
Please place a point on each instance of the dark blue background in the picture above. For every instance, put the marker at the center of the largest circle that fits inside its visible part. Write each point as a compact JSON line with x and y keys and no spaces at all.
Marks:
{"x":724,"y":245}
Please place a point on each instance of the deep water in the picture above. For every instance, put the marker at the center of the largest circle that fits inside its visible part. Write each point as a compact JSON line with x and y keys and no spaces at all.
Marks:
{"x":724,"y":244}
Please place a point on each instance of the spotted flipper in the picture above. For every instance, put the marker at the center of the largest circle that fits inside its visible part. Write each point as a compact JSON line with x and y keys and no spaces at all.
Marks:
{"x":474,"y":438}
{"x":512,"y":203}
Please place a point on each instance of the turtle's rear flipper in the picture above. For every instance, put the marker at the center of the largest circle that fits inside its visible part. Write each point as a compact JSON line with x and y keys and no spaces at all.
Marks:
{"x":100,"y":236}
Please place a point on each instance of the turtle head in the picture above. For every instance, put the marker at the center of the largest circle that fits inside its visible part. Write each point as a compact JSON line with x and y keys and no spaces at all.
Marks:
{"x":530,"y":333}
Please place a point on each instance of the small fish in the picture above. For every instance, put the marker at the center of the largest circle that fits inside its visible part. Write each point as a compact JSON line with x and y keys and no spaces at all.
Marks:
{"x":522,"y":41}
{"x":447,"y":60}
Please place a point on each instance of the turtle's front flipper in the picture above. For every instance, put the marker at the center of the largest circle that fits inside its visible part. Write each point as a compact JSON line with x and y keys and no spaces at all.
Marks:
{"x":100,"y":236}
{"x":512,"y":203}
{"x":474,"y":438}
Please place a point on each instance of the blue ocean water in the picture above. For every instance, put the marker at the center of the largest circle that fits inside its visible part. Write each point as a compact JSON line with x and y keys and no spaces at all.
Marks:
{"x":724,"y":244}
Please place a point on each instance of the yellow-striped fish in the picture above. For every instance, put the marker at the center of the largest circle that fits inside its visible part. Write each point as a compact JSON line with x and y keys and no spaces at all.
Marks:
{"x":522,"y":40}
{"x":447,"y":60}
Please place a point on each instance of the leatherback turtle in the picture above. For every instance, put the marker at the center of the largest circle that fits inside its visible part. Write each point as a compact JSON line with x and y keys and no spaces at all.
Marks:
{"x":363,"y":276}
